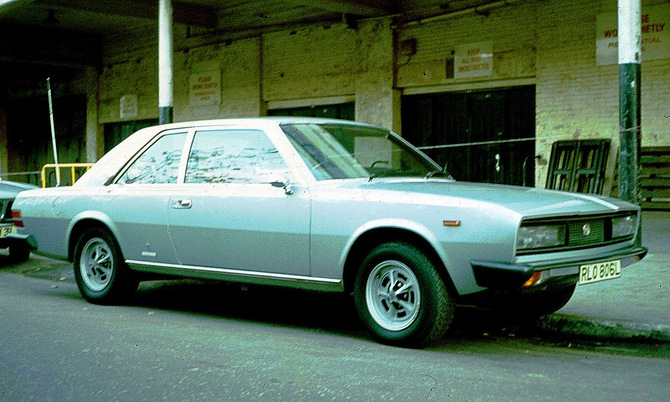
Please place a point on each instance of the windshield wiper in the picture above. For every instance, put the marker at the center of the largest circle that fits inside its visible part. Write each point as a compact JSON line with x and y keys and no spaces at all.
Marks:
{"x":439,"y":173}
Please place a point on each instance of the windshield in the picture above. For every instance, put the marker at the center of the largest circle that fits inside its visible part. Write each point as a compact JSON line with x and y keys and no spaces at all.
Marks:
{"x":344,"y":151}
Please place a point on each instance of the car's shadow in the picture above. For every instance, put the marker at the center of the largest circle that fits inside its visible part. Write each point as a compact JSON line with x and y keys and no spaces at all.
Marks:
{"x":288,"y":307}
{"x":329,"y":312}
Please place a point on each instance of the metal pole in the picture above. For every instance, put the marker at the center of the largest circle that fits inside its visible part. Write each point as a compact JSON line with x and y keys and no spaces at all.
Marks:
{"x":53,"y":132}
{"x":165,"y":91}
{"x":630,"y":134}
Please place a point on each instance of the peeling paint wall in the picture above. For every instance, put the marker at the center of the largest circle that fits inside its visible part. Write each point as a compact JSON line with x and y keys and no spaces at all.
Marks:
{"x":511,"y":30}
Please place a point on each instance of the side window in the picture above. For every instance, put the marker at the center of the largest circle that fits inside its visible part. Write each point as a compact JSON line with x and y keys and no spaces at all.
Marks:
{"x":158,"y":164}
{"x":233,"y":156}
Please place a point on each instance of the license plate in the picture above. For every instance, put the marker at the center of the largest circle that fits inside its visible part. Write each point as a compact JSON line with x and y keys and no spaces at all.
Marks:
{"x":6,"y":231}
{"x":601,"y":271}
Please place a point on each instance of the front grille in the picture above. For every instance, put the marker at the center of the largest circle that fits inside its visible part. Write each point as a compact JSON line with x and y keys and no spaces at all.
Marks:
{"x":586,"y":233}
{"x":582,"y":232}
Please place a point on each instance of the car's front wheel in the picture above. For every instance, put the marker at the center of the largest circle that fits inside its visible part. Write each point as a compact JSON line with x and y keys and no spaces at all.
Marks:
{"x":401,"y":298}
{"x":100,"y":270}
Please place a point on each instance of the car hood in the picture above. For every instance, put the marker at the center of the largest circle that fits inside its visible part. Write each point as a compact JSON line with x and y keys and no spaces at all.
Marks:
{"x":526,"y":201}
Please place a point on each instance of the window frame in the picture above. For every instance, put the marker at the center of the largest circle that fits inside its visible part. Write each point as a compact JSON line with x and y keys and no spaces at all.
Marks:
{"x":192,"y":139}
{"x":294,"y":165}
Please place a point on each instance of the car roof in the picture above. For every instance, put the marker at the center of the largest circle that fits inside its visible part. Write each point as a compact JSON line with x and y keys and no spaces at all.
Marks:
{"x":271,"y":120}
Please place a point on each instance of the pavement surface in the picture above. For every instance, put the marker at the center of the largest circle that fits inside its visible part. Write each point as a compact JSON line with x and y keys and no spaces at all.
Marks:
{"x":635,"y":307}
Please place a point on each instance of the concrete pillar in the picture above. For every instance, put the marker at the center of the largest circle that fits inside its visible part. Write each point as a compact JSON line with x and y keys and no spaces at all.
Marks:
{"x":630,"y":122}
{"x":377,"y":101}
{"x":165,"y":65}
{"x":630,"y":59}
{"x":95,"y":139}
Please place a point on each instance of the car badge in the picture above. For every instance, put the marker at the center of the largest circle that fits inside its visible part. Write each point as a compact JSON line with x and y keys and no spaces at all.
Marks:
{"x":586,"y":229}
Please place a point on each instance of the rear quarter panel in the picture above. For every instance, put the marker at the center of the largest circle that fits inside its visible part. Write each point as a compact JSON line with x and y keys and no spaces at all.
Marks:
{"x":51,"y":216}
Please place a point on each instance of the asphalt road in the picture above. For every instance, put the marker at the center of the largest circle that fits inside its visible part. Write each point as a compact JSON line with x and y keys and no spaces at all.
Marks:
{"x":205,"y":341}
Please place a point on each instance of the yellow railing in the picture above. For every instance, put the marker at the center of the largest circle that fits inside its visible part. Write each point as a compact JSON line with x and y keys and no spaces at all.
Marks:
{"x":71,"y":166}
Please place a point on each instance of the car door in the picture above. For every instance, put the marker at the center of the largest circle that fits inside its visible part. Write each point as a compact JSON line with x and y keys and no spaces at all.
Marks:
{"x":139,"y":200}
{"x":228,"y":215}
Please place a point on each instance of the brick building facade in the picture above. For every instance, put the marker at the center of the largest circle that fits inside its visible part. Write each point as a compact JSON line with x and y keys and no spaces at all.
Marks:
{"x":525,"y":74}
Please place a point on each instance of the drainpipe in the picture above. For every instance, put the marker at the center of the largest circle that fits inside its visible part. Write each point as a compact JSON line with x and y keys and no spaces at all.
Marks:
{"x":165,"y":91}
{"x":630,"y":133}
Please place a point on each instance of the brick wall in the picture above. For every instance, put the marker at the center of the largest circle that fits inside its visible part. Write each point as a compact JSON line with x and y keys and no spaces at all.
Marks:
{"x":512,"y":31}
{"x":576,"y":99}
{"x":549,"y":43}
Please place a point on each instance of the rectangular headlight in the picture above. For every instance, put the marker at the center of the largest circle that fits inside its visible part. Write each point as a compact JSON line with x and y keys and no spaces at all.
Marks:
{"x":623,"y":226}
{"x":534,"y":237}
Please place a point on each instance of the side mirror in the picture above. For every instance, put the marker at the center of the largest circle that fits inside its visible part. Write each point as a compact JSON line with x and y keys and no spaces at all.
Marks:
{"x":282,"y":182}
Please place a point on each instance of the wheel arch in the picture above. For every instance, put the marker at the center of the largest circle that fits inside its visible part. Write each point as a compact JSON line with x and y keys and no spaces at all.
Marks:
{"x":83,"y":222}
{"x":374,"y":237}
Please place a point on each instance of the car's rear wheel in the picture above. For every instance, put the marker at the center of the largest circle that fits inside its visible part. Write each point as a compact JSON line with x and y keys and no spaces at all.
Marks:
{"x":401,"y":298}
{"x":100,"y":270}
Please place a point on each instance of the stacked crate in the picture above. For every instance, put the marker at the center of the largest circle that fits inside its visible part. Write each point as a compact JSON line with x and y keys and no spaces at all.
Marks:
{"x":655,"y":178}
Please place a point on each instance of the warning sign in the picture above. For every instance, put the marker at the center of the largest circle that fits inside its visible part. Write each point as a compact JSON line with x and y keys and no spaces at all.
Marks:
{"x":473,"y":60}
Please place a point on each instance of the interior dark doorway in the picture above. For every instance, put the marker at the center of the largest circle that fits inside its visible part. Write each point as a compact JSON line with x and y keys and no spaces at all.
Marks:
{"x":29,"y":141}
{"x":344,"y":111}
{"x":481,"y":136}
{"x":116,"y":132}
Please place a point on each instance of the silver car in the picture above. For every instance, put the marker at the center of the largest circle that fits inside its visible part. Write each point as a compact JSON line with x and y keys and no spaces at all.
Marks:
{"x":326,"y":205}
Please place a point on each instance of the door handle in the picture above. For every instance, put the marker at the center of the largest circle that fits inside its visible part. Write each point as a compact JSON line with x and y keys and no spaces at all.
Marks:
{"x":181,"y":204}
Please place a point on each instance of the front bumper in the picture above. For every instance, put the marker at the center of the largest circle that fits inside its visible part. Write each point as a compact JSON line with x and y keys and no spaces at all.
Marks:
{"x":563,"y":271}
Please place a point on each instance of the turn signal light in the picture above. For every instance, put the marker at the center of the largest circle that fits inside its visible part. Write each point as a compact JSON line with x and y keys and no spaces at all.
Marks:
{"x":16,"y":217}
{"x":535,"y":278}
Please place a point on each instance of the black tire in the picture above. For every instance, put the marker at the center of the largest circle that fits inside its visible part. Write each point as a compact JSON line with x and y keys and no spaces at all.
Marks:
{"x":550,"y":301}
{"x":416,"y":316}
{"x":538,"y":304}
{"x":100,"y":270}
{"x":19,"y":254}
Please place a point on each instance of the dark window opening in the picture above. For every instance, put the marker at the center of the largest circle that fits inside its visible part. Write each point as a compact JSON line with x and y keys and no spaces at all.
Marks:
{"x":481,"y":136}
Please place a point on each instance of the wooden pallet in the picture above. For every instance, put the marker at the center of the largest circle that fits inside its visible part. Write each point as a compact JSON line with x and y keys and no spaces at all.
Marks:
{"x":654,"y":178}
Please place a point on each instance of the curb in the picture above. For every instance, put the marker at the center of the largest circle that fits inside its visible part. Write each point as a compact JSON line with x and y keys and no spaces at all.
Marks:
{"x":561,"y":324}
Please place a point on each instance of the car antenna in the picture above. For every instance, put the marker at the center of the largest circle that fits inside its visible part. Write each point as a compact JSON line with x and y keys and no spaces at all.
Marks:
{"x":53,"y":131}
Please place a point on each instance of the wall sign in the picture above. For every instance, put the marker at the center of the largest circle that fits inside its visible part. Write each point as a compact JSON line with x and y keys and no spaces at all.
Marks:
{"x":473,"y":60}
{"x":205,"y":88}
{"x":128,"y":107}
{"x":655,"y":35}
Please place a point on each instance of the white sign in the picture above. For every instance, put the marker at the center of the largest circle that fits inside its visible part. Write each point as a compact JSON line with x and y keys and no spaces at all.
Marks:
{"x":128,"y":107}
{"x":473,"y":60}
{"x":205,"y":88}
{"x":655,"y":35}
